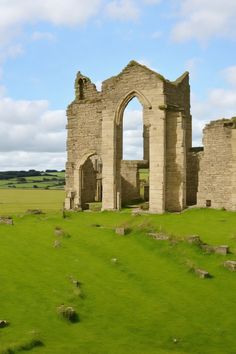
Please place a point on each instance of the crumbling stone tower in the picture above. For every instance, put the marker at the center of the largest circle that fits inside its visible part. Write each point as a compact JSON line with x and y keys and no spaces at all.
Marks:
{"x":95,"y":170}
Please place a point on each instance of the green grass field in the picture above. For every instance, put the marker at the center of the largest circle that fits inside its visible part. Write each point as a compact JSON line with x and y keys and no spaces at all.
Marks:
{"x":148,"y":301}
{"x":18,"y":200}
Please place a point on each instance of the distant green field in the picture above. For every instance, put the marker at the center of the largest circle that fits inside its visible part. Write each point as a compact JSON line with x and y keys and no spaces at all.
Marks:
{"x":136,"y":295}
{"x":55,"y":180}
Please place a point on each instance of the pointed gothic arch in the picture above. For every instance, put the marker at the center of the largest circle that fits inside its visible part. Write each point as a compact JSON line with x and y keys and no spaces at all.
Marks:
{"x":125,"y":101}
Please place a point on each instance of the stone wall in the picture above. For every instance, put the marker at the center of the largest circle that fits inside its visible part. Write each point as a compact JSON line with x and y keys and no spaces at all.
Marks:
{"x":175,"y":163}
{"x":130,"y":186}
{"x":84,"y":135}
{"x":217,"y":173}
{"x":178,"y":100}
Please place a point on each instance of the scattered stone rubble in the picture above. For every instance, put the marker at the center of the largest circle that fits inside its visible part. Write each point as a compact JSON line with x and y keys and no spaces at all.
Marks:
{"x":221,"y":249}
{"x":159,"y":236}
{"x":202,"y":273}
{"x":121,"y":231}
{"x":6,"y":220}
{"x":231,"y":265}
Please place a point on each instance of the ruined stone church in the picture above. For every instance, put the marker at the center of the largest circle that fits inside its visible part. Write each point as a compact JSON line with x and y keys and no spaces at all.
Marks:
{"x":179,"y":175}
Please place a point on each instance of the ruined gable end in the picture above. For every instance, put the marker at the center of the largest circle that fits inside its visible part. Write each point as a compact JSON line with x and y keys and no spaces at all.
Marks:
{"x":96,"y":170}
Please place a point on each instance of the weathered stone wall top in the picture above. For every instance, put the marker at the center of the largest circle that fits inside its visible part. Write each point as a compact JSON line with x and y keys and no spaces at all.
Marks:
{"x":135,"y":78}
{"x":177,"y":97}
{"x":224,"y":122}
{"x":132,"y":66}
{"x":85,"y":89}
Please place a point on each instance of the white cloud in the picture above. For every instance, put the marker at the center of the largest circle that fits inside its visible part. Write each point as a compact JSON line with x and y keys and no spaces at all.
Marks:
{"x":203,"y":20}
{"x":53,"y":121}
{"x":21,"y":160}
{"x":2,"y":91}
{"x":191,"y":65}
{"x":224,"y":100}
{"x":10,"y":51}
{"x":133,"y":134}
{"x":123,"y":10}
{"x":133,"y":119}
{"x":156,"y":35}
{"x":219,"y":103}
{"x":15,"y":14}
{"x":230,"y":75}
{"x":151,"y":2}
{"x":59,"y":12}
{"x":21,"y":111}
{"x":14,"y":51}
{"x":98,"y":85}
{"x":30,"y":126}
{"x":45,"y":36}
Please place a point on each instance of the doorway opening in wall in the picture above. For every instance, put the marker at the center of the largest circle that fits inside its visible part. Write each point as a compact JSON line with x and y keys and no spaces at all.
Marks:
{"x":91,"y":183}
{"x":135,"y":159}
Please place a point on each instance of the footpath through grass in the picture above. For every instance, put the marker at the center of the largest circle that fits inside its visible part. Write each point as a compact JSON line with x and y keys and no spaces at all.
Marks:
{"x":136,"y":295}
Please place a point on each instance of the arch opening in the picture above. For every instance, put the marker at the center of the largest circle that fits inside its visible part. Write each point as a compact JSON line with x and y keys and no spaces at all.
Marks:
{"x":133,"y":152}
{"x":133,"y":131}
{"x":90,"y":172}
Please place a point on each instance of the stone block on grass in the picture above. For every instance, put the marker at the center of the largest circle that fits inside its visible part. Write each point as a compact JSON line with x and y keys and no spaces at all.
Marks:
{"x":68,"y":313}
{"x":201,"y":273}
{"x":159,"y":236}
{"x":207,"y":248}
{"x":58,"y":231}
{"x":223,"y":249}
{"x":121,"y":231}
{"x":57,"y":244}
{"x":194,"y":239}
{"x":7,"y":220}
{"x":231,"y":265}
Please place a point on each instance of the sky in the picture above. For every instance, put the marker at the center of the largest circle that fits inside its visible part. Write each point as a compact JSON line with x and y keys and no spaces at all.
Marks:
{"x":44,"y":43}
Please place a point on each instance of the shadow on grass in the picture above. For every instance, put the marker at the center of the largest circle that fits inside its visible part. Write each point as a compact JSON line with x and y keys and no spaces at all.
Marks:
{"x":17,"y":348}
